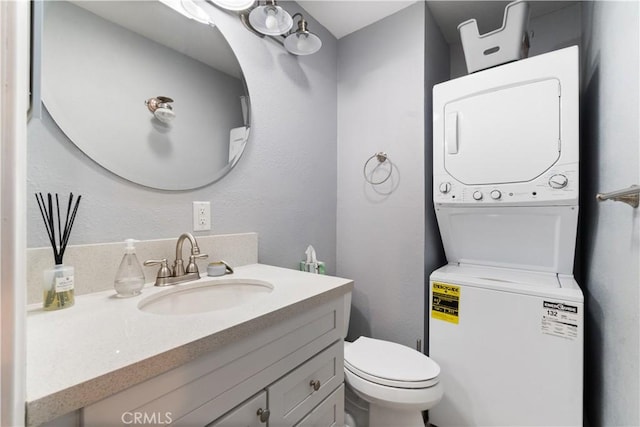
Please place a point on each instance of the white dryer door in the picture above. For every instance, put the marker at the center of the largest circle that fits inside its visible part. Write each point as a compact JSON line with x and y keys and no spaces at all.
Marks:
{"x":503,"y":136}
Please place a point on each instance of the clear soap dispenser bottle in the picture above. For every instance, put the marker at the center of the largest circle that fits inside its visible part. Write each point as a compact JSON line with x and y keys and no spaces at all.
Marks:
{"x":130,"y":277}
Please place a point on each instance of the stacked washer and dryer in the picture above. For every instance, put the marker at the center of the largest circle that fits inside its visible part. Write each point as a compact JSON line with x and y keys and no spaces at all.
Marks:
{"x":506,"y":315}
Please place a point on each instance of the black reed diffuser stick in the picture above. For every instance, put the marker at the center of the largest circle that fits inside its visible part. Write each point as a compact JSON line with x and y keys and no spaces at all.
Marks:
{"x":59,"y":239}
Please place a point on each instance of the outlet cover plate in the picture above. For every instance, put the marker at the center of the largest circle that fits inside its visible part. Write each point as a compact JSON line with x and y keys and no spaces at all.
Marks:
{"x":201,"y":216}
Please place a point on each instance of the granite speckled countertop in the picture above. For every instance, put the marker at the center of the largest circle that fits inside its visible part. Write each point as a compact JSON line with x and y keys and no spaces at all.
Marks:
{"x":103,"y":344}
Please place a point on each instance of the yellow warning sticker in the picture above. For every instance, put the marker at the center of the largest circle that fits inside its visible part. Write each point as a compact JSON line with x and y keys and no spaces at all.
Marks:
{"x":445,"y":302}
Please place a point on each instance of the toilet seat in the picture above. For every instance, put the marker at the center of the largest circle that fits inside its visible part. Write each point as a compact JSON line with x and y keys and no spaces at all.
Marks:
{"x":393,"y":365}
{"x":408,"y":399}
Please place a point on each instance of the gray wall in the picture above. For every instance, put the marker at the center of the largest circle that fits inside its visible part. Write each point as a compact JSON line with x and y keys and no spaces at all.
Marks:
{"x":552,"y":31}
{"x":610,"y":231}
{"x":284,"y":187}
{"x":381,"y":229}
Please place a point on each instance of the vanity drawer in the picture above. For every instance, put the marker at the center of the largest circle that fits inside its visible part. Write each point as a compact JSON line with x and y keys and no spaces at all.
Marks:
{"x":330,"y":413}
{"x":297,"y":393}
{"x":244,"y":415}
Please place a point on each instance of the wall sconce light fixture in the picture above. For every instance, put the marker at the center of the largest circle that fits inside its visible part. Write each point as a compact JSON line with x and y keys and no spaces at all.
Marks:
{"x":301,"y":41}
{"x":269,"y":19}
{"x":161,"y":108}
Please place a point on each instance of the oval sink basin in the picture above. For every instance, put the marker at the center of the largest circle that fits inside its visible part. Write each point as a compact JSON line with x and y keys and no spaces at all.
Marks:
{"x":206,"y":296}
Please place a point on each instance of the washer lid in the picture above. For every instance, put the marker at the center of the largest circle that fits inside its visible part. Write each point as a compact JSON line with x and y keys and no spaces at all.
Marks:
{"x":390,"y":364}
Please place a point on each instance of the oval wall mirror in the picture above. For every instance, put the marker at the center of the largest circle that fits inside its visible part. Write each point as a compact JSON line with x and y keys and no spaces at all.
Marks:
{"x":149,"y":94}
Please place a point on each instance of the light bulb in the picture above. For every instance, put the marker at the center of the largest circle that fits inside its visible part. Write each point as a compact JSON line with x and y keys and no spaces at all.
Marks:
{"x":302,"y":42}
{"x":271,"y":22}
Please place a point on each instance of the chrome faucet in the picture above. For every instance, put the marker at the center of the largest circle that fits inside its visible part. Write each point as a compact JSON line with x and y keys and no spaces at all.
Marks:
{"x":167,"y":277}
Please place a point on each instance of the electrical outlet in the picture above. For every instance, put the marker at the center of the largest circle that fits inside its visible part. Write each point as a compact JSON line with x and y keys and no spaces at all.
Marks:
{"x":201,"y":216}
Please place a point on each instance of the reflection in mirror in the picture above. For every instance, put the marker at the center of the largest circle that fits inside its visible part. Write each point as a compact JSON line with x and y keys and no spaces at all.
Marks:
{"x":108,"y":71}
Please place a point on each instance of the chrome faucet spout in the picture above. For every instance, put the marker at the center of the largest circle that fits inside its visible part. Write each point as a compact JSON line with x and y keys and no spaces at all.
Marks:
{"x":178,"y":266}
{"x":195,"y":250}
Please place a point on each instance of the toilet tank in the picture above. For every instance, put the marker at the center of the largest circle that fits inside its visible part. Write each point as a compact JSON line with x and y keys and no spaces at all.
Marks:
{"x":347,"y":314}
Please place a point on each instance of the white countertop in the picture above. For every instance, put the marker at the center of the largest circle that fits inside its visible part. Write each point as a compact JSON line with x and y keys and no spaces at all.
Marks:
{"x":104,"y":344}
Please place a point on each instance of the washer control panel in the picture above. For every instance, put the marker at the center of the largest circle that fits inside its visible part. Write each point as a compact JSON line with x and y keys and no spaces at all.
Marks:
{"x":559,"y":184}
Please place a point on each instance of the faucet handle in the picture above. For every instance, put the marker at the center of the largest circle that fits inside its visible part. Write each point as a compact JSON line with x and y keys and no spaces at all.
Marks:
{"x":193,"y":267}
{"x":164,"y":267}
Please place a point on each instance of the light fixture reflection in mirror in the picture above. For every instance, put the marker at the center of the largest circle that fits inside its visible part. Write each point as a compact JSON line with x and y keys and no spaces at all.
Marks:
{"x":126,"y":52}
{"x":161,"y":108}
{"x":235,"y":5}
{"x":195,"y":12}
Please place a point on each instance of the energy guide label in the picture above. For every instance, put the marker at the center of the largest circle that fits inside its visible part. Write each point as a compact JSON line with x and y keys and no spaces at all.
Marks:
{"x":560,"y":319}
{"x":445,"y":302}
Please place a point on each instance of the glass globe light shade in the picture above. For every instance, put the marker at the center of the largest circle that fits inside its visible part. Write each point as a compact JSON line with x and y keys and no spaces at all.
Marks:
{"x":302,"y":43}
{"x":270,"y":20}
{"x":234,"y":4}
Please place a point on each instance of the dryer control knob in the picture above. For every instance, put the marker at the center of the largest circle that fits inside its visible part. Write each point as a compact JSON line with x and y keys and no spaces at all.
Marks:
{"x":445,"y":187}
{"x":558,"y":181}
{"x":477,"y":195}
{"x":496,"y":194}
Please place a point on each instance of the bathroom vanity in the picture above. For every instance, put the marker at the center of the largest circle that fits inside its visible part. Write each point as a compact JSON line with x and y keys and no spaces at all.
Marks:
{"x":275,"y":359}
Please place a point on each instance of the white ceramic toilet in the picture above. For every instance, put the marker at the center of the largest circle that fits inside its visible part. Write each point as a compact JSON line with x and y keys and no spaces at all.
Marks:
{"x":398,"y":382}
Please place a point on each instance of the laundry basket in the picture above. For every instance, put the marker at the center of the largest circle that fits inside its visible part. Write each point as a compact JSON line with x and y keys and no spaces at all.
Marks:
{"x":506,"y":44}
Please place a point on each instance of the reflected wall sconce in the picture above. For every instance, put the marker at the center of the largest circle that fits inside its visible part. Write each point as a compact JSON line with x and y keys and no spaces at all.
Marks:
{"x":161,"y":108}
{"x":193,"y":11}
{"x":235,"y":5}
{"x":268,"y":19}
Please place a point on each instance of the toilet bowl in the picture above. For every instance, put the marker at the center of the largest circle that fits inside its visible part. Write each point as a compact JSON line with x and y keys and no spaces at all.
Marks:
{"x":397,"y":381}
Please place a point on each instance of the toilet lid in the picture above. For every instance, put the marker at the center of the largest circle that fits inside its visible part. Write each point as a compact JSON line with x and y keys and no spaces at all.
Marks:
{"x":390,"y":364}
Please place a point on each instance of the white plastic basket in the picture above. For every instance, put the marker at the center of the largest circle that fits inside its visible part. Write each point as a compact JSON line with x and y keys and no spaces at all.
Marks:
{"x":506,"y":44}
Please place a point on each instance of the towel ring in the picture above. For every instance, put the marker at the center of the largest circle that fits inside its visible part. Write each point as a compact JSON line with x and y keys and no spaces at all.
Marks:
{"x":381,"y":157}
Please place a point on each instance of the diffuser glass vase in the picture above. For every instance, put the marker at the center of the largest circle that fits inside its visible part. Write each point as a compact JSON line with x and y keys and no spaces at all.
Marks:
{"x":58,"y":281}
{"x":58,"y":287}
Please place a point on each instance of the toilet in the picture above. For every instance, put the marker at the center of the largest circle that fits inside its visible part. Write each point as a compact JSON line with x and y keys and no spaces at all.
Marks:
{"x":397,"y":381}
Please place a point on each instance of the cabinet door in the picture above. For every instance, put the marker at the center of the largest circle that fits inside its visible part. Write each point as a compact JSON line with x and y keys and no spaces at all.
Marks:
{"x":330,"y":413}
{"x":252,"y":413}
{"x":297,"y":393}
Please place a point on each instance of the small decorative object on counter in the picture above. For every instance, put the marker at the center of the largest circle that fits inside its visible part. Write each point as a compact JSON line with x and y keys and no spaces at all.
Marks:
{"x":218,"y":268}
{"x":58,"y":282}
{"x":130,"y":276}
{"x":312,"y":265}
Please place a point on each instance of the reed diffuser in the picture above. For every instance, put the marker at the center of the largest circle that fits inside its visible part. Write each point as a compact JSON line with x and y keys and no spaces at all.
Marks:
{"x":58,"y":281}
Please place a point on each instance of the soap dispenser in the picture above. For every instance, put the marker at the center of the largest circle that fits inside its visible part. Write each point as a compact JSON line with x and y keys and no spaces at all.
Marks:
{"x":130,"y":277}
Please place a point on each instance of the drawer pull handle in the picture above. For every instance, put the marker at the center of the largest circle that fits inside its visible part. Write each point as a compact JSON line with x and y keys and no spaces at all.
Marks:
{"x":264,"y":415}
{"x":315,"y":384}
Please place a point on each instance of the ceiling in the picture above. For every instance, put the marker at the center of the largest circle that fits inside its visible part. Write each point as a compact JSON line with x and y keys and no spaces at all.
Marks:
{"x":342,"y":17}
